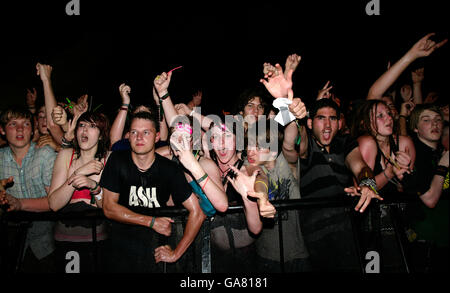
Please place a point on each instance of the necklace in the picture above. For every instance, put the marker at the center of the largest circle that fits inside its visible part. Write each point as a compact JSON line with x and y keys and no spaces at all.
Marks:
{"x":145,"y":170}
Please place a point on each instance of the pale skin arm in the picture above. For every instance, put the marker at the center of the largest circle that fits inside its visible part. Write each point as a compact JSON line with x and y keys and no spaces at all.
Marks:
{"x":163,"y":129}
{"x":113,"y":210}
{"x":183,"y":109}
{"x":424,"y":47}
{"x":244,"y":183}
{"x":161,"y":84}
{"x":261,"y":192}
{"x":64,"y":181}
{"x":355,"y":162}
{"x":118,"y":125}
{"x":405,"y":111}
{"x":417,"y":77}
{"x":24,"y":204}
{"x":60,"y":191}
{"x":194,"y":222}
{"x":288,"y":147}
{"x":298,"y":109}
{"x":212,"y":187}
{"x":44,"y":71}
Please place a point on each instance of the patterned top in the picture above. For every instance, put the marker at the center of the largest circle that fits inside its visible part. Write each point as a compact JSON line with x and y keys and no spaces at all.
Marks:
{"x":30,"y":181}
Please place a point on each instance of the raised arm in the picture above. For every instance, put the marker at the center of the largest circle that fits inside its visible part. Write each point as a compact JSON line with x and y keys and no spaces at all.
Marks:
{"x":417,"y":77}
{"x":118,"y":125}
{"x":293,"y":130}
{"x":424,"y":47}
{"x":161,"y":84}
{"x":244,"y":184}
{"x":211,"y":185}
{"x":44,"y":72}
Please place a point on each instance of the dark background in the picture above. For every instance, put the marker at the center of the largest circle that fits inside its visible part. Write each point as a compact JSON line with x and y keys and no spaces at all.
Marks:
{"x":221,"y":46}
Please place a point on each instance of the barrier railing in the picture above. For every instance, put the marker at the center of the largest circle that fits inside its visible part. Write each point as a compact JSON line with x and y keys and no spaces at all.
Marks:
{"x":22,"y":219}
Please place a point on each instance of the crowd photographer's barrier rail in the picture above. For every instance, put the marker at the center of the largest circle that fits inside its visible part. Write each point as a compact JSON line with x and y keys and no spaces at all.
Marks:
{"x":22,"y":220}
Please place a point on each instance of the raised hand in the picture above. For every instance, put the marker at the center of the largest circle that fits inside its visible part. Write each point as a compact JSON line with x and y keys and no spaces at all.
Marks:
{"x":406,"y":108}
{"x":182,"y":109}
{"x":124,"y":91}
{"x":47,"y":139}
{"x":424,"y":47}
{"x":276,"y":83}
{"x":81,"y":106}
{"x":242,"y":182}
{"x":180,"y":142}
{"x":324,"y":93}
{"x":292,"y":62}
{"x":162,"y":83}
{"x":418,"y":75}
{"x":269,"y":69}
{"x":59,"y":116}
{"x":44,"y":71}
{"x":406,"y":92}
{"x":431,"y":98}
{"x":297,"y":107}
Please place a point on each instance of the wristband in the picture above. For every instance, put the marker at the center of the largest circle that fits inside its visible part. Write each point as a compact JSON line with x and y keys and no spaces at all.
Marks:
{"x":202,"y":178}
{"x":369,"y":182}
{"x":165,"y":96}
{"x":123,"y":108}
{"x":403,"y":116}
{"x":152,"y":222}
{"x":441,"y":171}
{"x":125,"y":105}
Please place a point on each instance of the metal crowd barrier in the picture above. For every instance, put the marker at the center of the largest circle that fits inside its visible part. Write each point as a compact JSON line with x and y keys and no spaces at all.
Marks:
{"x":22,"y":220}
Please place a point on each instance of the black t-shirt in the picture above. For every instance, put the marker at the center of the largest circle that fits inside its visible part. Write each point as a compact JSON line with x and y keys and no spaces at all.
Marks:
{"x":140,"y":191}
{"x":132,"y":246}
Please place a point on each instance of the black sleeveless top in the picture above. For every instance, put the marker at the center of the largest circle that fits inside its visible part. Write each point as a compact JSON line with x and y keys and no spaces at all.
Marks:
{"x":390,"y":188}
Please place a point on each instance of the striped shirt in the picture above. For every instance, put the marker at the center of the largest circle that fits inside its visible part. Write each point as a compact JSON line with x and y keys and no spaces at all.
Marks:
{"x":30,"y":180}
{"x":324,"y":174}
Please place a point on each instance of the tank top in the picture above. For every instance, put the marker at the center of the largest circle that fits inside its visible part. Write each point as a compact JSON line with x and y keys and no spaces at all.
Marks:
{"x":390,"y":188}
{"x":83,"y":193}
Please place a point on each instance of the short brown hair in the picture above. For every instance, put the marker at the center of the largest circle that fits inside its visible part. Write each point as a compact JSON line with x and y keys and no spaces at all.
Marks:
{"x":14,"y":113}
{"x":418,"y":110}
